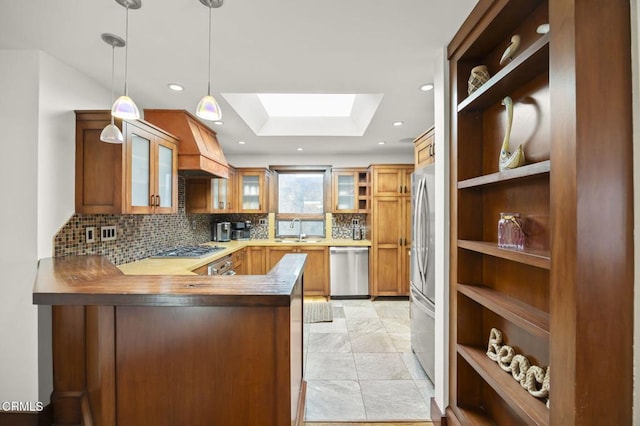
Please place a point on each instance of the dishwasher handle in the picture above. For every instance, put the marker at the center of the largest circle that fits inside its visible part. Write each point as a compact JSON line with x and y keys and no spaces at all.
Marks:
{"x":348,"y":249}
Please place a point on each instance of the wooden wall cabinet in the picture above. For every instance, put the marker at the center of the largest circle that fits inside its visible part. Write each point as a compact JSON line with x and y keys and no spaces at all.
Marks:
{"x":555,"y":302}
{"x":316,"y":270}
{"x":390,"y":229}
{"x":424,"y":148}
{"x":138,"y":176}
{"x":351,"y":190}
{"x":252,"y":190}
{"x":211,"y":195}
{"x":391,"y":180}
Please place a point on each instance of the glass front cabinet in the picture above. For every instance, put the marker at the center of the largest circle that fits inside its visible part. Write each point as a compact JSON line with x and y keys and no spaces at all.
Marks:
{"x":137,"y":176}
{"x":152,"y":164}
{"x":350,"y":190}
{"x":253,"y":184}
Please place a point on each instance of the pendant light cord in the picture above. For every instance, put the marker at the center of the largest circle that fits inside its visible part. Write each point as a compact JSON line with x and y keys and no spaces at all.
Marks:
{"x":210,"y":19}
{"x":126,"y":51}
{"x":113,"y":75}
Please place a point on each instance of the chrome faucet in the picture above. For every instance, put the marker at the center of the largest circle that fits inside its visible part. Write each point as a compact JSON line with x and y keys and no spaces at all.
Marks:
{"x":291,"y":226}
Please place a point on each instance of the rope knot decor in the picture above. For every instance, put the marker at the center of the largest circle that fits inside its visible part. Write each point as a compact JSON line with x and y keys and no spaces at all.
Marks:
{"x":536,"y":380}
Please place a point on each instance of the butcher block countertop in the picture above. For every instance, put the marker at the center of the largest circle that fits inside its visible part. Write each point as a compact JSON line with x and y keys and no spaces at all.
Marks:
{"x":167,"y":266}
{"x":93,"y":280}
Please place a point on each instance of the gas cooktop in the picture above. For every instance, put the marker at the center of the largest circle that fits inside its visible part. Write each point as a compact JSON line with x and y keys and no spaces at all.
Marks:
{"x":187,"y":252}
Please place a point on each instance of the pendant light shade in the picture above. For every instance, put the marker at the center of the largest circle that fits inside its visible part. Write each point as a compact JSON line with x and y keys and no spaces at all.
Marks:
{"x":124,"y":107}
{"x":208,"y":108}
{"x":111,"y":133}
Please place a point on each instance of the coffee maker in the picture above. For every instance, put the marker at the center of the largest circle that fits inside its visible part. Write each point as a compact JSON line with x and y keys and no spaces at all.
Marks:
{"x":241,"y":230}
{"x":221,"y":231}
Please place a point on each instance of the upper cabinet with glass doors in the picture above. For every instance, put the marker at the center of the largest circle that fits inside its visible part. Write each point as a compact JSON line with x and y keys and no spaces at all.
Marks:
{"x":351,"y":191}
{"x":138,"y":176}
{"x":253,"y":190}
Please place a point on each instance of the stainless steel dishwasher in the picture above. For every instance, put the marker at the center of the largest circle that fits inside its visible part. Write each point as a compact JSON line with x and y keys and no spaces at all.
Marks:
{"x":349,"y":271}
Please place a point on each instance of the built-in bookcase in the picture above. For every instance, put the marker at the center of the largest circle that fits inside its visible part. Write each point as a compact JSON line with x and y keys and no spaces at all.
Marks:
{"x":538,"y":296}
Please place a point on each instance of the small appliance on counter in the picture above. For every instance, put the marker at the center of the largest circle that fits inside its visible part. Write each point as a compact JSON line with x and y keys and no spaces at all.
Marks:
{"x":221,"y":231}
{"x":241,"y":230}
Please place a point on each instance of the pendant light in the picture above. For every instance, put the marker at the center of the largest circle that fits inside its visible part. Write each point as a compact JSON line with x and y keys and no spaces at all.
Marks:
{"x":111,"y":133}
{"x":124,"y":107}
{"x":208,"y":108}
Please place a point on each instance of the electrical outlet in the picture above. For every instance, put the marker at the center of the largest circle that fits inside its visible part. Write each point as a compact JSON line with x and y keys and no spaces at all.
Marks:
{"x":90,"y":234}
{"x":108,"y":233}
{"x":355,"y":222}
{"x":262,"y":222}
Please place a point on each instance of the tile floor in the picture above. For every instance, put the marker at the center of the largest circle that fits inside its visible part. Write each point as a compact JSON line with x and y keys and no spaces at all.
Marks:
{"x":360,"y":367}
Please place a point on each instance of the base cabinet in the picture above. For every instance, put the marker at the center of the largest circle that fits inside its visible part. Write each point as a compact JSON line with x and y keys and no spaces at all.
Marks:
{"x":256,"y":263}
{"x":316,"y":271}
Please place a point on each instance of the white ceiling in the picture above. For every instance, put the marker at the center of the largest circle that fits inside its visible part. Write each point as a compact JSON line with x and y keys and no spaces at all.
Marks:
{"x":260,"y":46}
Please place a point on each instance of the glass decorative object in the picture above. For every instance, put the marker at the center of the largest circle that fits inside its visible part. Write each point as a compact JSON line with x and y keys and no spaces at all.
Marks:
{"x":510,"y":233}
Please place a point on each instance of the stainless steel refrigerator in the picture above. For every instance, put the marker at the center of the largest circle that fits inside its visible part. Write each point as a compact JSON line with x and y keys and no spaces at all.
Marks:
{"x":422,"y":294}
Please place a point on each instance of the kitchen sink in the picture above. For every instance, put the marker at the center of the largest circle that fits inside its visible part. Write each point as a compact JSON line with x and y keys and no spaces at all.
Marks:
{"x":296,"y":240}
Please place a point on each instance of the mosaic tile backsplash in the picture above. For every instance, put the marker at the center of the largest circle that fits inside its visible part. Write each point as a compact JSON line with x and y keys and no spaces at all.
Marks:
{"x":140,"y":236}
{"x":343,"y":227}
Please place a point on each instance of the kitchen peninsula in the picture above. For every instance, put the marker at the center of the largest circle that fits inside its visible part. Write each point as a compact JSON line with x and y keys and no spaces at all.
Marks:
{"x":174,"y":349}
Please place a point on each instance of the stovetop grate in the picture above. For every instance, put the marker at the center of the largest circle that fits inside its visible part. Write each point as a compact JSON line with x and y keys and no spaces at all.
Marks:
{"x":187,"y":252}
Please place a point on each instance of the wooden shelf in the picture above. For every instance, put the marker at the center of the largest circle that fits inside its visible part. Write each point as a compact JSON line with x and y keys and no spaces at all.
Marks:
{"x":537,"y":258}
{"x":529,"y":170}
{"x":530,"y":63}
{"x":531,"y":409}
{"x":469,"y":416}
{"x":519,"y":313}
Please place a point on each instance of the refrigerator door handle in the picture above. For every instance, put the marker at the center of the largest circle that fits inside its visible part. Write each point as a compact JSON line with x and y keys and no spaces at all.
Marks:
{"x":427,"y":235}
{"x":418,"y":241}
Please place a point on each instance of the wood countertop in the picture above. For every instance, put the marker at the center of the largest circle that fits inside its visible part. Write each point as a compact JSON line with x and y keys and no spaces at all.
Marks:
{"x":93,"y":280}
{"x":169,"y":266}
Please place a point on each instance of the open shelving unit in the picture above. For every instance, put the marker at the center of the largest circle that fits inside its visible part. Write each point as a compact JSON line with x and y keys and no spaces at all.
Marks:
{"x":560,"y":300}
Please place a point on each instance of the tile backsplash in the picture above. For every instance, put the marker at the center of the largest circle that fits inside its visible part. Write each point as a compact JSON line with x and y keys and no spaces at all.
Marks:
{"x":343,"y":225}
{"x":140,"y":236}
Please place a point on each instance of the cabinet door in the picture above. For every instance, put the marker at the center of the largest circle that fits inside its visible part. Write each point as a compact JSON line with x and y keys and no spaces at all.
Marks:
{"x":251,"y":192}
{"x":387,"y":235}
{"x":198,"y":195}
{"x":166,"y":188}
{"x":405,"y":273}
{"x":345,"y":192}
{"x":256,"y":260}
{"x":391,"y":180}
{"x":316,"y":271}
{"x":140,"y":169}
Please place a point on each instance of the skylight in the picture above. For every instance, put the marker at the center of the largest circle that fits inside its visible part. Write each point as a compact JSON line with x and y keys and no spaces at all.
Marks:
{"x":307,"y":104}
{"x":303,"y":114}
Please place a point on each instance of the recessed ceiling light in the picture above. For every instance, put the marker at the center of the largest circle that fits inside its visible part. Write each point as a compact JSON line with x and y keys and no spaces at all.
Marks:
{"x":381,"y":143}
{"x":218,"y":123}
{"x":241,"y":142}
{"x":176,"y":87}
{"x":299,"y":149}
{"x":426,"y":87}
{"x":398,"y":123}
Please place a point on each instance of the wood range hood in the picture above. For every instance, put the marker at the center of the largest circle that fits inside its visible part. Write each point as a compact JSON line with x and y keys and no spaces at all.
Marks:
{"x":199,"y":153}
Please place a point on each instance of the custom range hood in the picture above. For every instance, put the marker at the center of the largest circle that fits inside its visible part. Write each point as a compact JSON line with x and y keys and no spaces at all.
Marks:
{"x":199,"y":153}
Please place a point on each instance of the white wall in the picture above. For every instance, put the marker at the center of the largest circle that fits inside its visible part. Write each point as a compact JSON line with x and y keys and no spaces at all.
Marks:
{"x":37,"y":175}
{"x":635,"y":57}
{"x":442,"y":117}
{"x":18,"y":222}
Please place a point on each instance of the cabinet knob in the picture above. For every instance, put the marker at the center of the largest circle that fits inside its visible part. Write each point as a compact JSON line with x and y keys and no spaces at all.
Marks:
{"x":157,"y":201}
